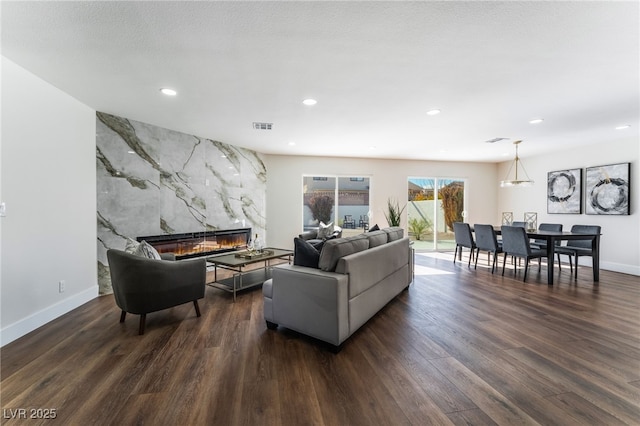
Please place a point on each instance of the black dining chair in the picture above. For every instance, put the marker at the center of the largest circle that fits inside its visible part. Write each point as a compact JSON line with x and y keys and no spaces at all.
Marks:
{"x":541,"y":243}
{"x":577,"y":248}
{"x":486,"y":240}
{"x":515,"y":242}
{"x":464,"y":238}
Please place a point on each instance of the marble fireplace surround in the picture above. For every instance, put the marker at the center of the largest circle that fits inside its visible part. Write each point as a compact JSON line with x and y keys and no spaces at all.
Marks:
{"x":156,"y":181}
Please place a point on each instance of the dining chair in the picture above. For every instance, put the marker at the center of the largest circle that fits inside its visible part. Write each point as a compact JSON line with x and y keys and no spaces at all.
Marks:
{"x":349,"y":222}
{"x":486,"y":240}
{"x":541,"y":243}
{"x":464,"y":238}
{"x":515,"y":242}
{"x":577,"y":248}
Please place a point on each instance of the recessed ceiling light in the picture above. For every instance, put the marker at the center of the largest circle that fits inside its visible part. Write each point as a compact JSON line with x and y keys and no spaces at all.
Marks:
{"x":168,"y":92}
{"x":536,"y":121}
{"x":372,"y":147}
{"x":309,"y":102}
{"x":292,"y":143}
{"x":433,"y":112}
{"x":624,"y":126}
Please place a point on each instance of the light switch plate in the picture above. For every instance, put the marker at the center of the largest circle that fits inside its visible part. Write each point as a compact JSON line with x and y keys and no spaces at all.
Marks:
{"x":3,"y":209}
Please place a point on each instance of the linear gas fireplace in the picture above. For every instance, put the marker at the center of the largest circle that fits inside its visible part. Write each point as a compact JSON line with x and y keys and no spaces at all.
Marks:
{"x":195,"y":244}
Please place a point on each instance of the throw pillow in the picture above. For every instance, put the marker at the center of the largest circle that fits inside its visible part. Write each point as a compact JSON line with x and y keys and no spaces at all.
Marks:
{"x":325,"y":231}
{"x":304,"y":254}
{"x":131,"y":246}
{"x":374,"y":228}
{"x":147,"y":250}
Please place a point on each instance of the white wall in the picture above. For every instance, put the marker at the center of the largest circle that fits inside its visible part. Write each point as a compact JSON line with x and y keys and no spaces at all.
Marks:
{"x":620,"y":241}
{"x":388,"y":179}
{"x":49,"y":185}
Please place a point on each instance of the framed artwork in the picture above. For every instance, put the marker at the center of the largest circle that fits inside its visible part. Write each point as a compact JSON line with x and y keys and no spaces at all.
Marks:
{"x":564,"y":191}
{"x":607,"y":189}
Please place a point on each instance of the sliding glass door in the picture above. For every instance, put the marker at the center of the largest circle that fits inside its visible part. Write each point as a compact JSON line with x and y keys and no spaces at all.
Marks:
{"x":433,"y":205}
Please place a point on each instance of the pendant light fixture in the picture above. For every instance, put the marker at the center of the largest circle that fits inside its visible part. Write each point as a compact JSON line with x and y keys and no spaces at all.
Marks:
{"x":516,"y":181}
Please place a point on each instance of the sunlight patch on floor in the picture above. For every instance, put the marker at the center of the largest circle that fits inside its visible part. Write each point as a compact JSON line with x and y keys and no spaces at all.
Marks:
{"x":425,"y":270}
{"x":437,"y":255}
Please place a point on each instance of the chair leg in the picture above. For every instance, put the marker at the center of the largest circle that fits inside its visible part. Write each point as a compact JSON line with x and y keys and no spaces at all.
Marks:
{"x":122,"y":315}
{"x":575,"y":276}
{"x":143,"y":318}
{"x":476,"y":263}
{"x":493,"y":266}
{"x":455,"y":254}
{"x":470,"y":257}
{"x":504,"y":262}
{"x":526,"y":268}
{"x":195,"y":305}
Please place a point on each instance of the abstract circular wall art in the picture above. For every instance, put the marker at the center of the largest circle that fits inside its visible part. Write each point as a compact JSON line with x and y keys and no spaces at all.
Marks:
{"x":564,"y":191}
{"x":607,"y":189}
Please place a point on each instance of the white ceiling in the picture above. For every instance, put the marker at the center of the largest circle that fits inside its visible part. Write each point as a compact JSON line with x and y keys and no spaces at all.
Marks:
{"x":375,"y":68}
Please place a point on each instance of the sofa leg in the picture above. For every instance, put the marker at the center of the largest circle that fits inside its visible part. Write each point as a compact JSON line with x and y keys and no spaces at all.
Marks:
{"x":335,"y":348}
{"x":195,"y":305}
{"x":143,"y":318}
{"x":122,"y":315}
{"x":271,"y":325}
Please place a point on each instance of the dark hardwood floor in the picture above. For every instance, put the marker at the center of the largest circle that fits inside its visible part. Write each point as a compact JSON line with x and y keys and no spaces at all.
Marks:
{"x":459,"y":347}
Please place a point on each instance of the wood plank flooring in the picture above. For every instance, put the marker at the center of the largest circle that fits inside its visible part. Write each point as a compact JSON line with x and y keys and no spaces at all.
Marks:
{"x":461,"y":346}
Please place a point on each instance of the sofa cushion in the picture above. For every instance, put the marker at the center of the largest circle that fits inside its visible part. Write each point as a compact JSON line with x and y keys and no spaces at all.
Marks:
{"x":394,"y":233}
{"x":325,"y":231}
{"x":376,"y":238}
{"x":305,"y":254}
{"x":333,"y":250}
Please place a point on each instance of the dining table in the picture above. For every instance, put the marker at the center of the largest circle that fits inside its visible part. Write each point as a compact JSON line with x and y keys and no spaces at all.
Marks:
{"x":553,"y":237}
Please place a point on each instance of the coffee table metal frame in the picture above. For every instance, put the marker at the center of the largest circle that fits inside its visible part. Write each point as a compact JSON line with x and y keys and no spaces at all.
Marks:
{"x":241,"y":278}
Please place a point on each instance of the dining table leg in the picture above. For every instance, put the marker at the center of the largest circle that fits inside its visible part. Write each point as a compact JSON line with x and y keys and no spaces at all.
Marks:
{"x":595,"y":258}
{"x":551,"y":249}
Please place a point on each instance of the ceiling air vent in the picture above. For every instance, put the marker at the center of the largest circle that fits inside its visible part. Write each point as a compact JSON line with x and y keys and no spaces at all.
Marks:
{"x":494,"y":140}
{"x":262,"y":126}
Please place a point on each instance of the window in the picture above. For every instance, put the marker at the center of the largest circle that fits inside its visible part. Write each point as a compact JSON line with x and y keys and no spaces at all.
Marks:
{"x":433,"y":205}
{"x":343,"y":200}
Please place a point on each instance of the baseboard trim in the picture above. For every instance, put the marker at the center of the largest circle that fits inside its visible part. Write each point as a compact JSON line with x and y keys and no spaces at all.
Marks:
{"x":26,"y":325}
{"x":618,"y":267}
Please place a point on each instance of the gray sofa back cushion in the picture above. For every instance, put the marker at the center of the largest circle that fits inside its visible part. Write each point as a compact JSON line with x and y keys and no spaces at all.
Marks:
{"x":376,"y":238}
{"x":394,"y":233}
{"x":339,"y":247}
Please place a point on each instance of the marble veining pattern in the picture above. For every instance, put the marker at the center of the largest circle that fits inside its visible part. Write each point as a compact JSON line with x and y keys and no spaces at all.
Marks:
{"x":154,"y":181}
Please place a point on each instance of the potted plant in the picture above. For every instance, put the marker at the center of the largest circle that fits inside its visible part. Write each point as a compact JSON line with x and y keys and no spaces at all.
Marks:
{"x":393,"y":213}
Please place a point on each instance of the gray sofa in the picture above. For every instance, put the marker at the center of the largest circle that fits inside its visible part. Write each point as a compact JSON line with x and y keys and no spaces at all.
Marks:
{"x":357,"y":276}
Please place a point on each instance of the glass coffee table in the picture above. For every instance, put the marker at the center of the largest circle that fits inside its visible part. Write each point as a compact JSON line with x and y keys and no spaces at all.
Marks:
{"x":238,"y":262}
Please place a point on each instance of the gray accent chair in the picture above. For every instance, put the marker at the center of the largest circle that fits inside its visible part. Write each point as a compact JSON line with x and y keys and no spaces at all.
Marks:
{"x":515,"y":242}
{"x":464,"y":238}
{"x":486,"y":240}
{"x":142,"y":285}
{"x":577,"y":248}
